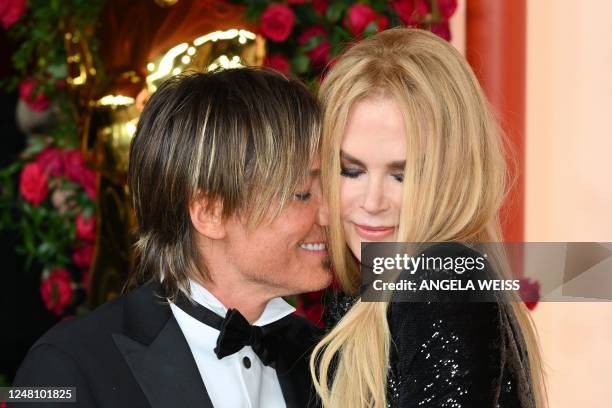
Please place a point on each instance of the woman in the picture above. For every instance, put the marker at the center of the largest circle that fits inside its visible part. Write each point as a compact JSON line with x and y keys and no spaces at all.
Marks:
{"x":412,"y":153}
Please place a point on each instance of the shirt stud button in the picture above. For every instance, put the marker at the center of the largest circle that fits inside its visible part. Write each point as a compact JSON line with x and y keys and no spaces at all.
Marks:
{"x":247,"y":362}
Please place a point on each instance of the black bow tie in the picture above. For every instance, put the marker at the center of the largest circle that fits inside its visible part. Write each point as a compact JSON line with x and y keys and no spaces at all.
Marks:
{"x":235,"y":332}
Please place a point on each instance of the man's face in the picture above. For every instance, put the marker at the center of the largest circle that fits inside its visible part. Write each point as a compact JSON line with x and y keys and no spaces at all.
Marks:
{"x":287,"y":255}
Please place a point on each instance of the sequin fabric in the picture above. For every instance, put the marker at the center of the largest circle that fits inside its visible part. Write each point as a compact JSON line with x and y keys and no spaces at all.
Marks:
{"x":444,"y":355}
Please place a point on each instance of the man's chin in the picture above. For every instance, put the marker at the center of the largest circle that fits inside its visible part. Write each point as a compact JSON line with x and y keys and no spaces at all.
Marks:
{"x":323,"y":280}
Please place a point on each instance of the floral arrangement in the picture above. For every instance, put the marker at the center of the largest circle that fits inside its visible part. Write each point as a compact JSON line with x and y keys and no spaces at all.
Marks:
{"x":52,"y":206}
{"x":48,"y":195}
{"x":57,"y":222}
{"x":305,"y":35}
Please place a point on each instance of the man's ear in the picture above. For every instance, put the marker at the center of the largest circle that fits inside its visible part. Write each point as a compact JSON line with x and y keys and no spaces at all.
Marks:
{"x":207,"y":217}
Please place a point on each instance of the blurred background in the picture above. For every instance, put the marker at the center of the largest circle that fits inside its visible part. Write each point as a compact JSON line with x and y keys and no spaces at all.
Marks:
{"x":75,"y":75}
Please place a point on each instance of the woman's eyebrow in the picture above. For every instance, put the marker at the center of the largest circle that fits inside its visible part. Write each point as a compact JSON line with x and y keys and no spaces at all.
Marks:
{"x":398,"y":165}
{"x":350,"y":159}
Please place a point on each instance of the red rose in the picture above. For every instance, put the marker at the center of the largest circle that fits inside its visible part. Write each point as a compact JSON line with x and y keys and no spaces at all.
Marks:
{"x":52,"y":161}
{"x":11,"y":11}
{"x":447,"y":8}
{"x":39,"y":102}
{"x":410,"y":11}
{"x":83,"y":255}
{"x":441,"y":30}
{"x":320,"y":54}
{"x":56,"y":290}
{"x":360,"y":15}
{"x":33,"y":184}
{"x":297,"y":1}
{"x":320,"y":6}
{"x":277,"y":62}
{"x":86,"y":227}
{"x":73,"y":165}
{"x":311,"y":309}
{"x":277,"y":22}
{"x":529,"y":291}
{"x":76,"y":170}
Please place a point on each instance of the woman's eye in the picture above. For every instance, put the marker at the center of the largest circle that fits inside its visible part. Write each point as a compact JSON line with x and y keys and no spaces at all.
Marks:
{"x":303,"y":196}
{"x":399,"y":177}
{"x":351,"y":173}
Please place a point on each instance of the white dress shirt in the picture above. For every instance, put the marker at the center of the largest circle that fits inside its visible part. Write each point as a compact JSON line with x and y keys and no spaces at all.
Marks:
{"x":229,"y":383}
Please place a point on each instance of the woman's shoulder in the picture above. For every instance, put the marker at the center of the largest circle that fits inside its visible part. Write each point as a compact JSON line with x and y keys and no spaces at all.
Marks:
{"x":446,"y":352}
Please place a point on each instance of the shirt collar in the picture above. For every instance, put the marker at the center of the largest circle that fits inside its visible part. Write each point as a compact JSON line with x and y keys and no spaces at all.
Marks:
{"x":275,"y":309}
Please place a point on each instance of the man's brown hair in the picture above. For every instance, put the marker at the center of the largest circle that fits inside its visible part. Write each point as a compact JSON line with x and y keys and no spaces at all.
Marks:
{"x":242,"y":136}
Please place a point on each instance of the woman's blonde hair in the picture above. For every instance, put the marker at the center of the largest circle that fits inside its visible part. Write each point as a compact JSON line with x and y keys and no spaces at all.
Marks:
{"x":455,"y":181}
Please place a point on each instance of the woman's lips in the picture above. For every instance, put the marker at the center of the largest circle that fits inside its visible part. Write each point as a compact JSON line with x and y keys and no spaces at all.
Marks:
{"x":373,"y":233}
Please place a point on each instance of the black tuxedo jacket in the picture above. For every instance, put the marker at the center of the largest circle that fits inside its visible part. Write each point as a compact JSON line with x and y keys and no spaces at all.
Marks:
{"x":130,"y":352}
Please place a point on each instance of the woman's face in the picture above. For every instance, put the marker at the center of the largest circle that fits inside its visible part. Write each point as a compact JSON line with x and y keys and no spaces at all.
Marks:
{"x":373,"y":156}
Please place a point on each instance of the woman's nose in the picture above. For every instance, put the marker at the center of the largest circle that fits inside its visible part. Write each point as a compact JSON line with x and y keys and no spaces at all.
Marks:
{"x":374,"y":198}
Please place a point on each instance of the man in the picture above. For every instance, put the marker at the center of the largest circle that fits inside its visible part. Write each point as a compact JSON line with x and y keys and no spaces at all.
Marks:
{"x":226,"y":196}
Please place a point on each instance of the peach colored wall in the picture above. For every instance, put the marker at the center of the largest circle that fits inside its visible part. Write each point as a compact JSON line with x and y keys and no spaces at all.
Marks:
{"x":569,"y":181}
{"x":457,"y":27}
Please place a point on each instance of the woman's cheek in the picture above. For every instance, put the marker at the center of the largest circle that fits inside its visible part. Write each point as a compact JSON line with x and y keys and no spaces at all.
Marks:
{"x":350,"y":193}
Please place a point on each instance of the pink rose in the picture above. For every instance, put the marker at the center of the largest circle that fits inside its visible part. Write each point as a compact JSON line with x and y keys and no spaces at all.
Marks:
{"x":33,"y":184}
{"x":277,"y":62}
{"x":56,"y":290}
{"x":441,"y":30}
{"x":62,"y":199}
{"x":320,"y":6}
{"x":360,"y":15}
{"x":52,"y":161}
{"x":38,"y":102}
{"x":277,"y":22}
{"x":86,"y":227}
{"x":447,"y":8}
{"x":83,"y":255}
{"x":320,"y":54}
{"x":11,"y":11}
{"x":529,"y":291}
{"x":410,"y":11}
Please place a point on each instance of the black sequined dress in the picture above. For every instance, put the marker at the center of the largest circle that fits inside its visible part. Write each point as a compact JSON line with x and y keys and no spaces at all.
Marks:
{"x":451,"y":354}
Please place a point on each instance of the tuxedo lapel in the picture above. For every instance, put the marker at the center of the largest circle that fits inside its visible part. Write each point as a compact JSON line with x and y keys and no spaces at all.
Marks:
{"x":295,"y":387}
{"x":292,"y":364}
{"x":158,"y":354}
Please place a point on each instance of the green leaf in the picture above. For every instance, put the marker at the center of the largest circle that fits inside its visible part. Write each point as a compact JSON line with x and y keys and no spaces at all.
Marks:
{"x":58,"y":71}
{"x":370,"y":29}
{"x":312,"y":43}
{"x":300,"y":63}
{"x":335,"y":11}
